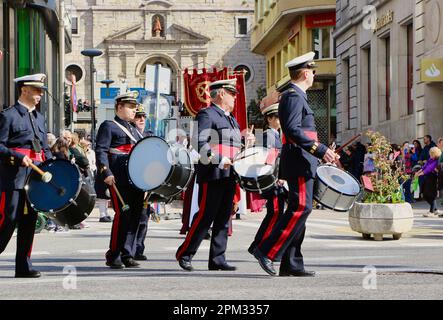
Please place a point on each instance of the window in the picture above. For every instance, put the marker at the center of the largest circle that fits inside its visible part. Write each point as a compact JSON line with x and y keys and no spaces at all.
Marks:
{"x":388,"y":78}
{"x":74,"y":26}
{"x":285,"y":59}
{"x":410,"y":66}
{"x":368,"y":57}
{"x":247,"y":70}
{"x":322,"y":43}
{"x":241,"y":28}
{"x":346,"y":72}
{"x":272,"y":71}
{"x":279,"y":66}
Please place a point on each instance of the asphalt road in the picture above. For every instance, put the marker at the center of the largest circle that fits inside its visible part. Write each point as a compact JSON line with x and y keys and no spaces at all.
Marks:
{"x":347,"y":266}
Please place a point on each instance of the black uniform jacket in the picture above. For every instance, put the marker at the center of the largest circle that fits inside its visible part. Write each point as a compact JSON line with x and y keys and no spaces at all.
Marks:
{"x":16,"y":132}
{"x":112,"y":136}
{"x":218,"y":135}
{"x":301,"y":151}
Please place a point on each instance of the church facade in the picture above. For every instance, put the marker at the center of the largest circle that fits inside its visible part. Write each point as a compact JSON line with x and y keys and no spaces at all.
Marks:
{"x":179,"y":35}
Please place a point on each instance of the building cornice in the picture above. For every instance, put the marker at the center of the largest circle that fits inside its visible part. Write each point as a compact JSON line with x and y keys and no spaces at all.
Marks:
{"x":289,"y":13}
{"x":173,"y":9}
{"x":356,"y":20}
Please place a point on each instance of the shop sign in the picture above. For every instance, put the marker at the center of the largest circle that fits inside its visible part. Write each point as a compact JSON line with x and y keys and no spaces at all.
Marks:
{"x":320,"y":20}
{"x":432,"y":70}
{"x":384,"y":20}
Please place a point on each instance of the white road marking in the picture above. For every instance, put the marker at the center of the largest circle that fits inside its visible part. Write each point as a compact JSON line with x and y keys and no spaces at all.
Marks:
{"x":34,"y":253}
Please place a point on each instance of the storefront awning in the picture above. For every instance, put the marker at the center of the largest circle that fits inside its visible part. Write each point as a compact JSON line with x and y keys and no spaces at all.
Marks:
{"x":48,"y":9}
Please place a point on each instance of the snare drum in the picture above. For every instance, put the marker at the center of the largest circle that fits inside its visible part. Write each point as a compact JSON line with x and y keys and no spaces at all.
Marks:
{"x":335,"y":188}
{"x":257,"y":169}
{"x":70,"y":206}
{"x":159,"y":168}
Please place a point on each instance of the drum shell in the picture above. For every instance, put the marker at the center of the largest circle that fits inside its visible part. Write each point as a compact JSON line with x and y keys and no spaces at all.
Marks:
{"x":331,"y":199}
{"x":177,"y":182}
{"x":177,"y":179}
{"x":77,"y":211}
{"x":78,"y":204}
{"x":260,"y":185}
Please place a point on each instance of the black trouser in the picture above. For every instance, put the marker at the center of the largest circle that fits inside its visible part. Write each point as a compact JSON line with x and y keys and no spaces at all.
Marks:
{"x":215,"y":207}
{"x":139,"y":246}
{"x":284,"y":242}
{"x":275,"y":206}
{"x":12,"y":213}
{"x":125,"y":224}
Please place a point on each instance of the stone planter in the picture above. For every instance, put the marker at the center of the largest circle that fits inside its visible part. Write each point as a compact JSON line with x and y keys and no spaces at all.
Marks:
{"x":379,"y":219}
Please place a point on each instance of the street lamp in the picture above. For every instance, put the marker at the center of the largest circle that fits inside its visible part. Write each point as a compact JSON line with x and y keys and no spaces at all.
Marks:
{"x":107,"y":82}
{"x":92,"y":53}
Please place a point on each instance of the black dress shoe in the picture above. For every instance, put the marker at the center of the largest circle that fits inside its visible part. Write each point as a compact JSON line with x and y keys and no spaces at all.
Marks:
{"x":131,"y":263}
{"x":28,"y":274}
{"x":140,"y":257}
{"x":105,"y":219}
{"x":186,"y":265}
{"x":115,"y":265}
{"x":223,"y":267}
{"x":265,"y":263}
{"x":301,"y":273}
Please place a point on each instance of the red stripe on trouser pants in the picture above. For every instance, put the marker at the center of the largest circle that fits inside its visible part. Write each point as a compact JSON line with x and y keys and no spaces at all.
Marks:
{"x":2,"y":208}
{"x":294,"y":219}
{"x":115,"y":225}
{"x":273,"y":220}
{"x":195,"y":224}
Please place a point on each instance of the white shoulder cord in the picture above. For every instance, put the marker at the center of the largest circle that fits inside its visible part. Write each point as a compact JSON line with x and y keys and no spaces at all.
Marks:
{"x":125,"y":131}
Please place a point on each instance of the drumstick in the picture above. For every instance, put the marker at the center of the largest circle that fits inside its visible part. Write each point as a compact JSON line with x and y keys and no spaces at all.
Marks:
{"x":244,"y":157}
{"x":125,"y":207}
{"x":47,"y":178}
{"x":348,"y":143}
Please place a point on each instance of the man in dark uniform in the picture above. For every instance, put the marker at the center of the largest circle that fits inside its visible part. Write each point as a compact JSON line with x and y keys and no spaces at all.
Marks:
{"x":276,"y":196}
{"x":142,"y":230}
{"x":299,"y":160}
{"x":219,"y":139}
{"x":22,"y":142}
{"x":115,"y":140}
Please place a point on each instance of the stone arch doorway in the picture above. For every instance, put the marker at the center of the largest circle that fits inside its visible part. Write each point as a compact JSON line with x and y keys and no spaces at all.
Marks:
{"x":166,"y":62}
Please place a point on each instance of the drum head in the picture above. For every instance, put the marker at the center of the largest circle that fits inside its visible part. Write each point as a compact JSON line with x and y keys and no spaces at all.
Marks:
{"x":254,"y":164}
{"x":150,"y":163}
{"x":56,"y":195}
{"x":339,"y":180}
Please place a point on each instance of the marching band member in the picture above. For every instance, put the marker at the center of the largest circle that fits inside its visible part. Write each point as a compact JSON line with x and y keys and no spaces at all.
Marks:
{"x":298,"y":166}
{"x":276,"y":196}
{"x":215,"y":177}
{"x":142,"y":230}
{"x":22,"y":142}
{"x":115,"y":139}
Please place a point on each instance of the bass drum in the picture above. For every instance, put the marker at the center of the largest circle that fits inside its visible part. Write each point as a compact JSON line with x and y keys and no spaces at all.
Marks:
{"x":68,"y":198}
{"x":161,"y":169}
{"x":335,"y":188}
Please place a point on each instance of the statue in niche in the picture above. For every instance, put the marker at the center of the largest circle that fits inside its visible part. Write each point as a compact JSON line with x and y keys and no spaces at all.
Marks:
{"x":157,"y":27}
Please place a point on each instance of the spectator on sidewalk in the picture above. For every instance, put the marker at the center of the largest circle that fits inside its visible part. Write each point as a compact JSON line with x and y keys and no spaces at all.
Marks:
{"x":407,"y":166}
{"x":429,"y":171}
{"x":440,"y":170}
{"x":417,"y":150}
{"x":51,"y":138}
{"x":429,"y":144}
